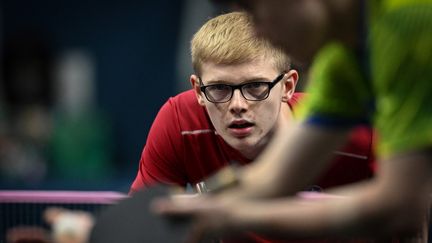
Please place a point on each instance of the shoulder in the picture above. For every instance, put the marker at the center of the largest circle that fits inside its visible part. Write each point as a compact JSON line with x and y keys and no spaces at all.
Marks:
{"x":184,"y":99}
{"x":190,"y":114}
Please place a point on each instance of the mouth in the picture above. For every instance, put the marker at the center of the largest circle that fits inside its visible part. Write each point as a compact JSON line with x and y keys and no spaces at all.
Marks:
{"x":241,"y":128}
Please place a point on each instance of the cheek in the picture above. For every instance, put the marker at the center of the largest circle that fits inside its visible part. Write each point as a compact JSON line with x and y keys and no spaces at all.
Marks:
{"x":267,"y":114}
{"x":216,"y":114}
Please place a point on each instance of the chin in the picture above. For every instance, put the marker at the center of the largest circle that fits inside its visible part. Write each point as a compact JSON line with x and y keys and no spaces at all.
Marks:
{"x":243,"y":144}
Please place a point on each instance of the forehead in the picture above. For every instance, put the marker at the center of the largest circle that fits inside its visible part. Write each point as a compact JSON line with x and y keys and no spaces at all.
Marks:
{"x":258,"y":68}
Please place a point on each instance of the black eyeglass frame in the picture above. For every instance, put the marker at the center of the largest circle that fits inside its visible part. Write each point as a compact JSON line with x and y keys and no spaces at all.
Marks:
{"x":240,"y":86}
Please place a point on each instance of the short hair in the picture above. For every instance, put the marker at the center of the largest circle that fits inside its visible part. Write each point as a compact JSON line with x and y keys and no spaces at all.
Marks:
{"x":230,"y":39}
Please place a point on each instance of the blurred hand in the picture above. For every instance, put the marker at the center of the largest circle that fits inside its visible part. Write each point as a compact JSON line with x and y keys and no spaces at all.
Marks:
{"x":69,"y":226}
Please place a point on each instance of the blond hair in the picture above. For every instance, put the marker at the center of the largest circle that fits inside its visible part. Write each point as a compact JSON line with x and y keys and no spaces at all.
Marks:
{"x":230,"y":39}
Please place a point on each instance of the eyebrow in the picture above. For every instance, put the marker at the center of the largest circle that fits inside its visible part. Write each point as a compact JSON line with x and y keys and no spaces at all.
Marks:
{"x":257,"y":79}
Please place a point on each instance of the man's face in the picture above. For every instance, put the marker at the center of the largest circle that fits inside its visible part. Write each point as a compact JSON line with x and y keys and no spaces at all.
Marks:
{"x":297,"y":26}
{"x":245,"y":125}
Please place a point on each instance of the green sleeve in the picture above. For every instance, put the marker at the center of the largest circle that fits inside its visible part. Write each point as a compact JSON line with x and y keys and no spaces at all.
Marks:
{"x":401,"y":61}
{"x":339,"y":92}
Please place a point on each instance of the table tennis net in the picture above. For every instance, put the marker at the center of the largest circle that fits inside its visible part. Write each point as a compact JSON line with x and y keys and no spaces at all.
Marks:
{"x":24,"y":209}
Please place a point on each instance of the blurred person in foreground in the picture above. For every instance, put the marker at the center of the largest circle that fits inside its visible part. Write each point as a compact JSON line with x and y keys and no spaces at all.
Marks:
{"x":382,"y":76}
{"x":243,"y":90}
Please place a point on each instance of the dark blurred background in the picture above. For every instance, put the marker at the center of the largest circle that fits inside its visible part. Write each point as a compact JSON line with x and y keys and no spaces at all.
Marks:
{"x":81,"y":82}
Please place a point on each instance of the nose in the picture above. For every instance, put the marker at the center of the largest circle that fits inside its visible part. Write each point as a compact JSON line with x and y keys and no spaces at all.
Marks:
{"x":238,"y":104}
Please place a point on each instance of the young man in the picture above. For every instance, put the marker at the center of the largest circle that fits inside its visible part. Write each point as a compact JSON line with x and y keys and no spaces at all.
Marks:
{"x":242,"y":91}
{"x":388,"y":84}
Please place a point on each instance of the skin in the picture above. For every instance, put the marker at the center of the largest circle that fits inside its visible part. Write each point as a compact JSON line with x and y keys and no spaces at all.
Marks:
{"x":69,"y":226}
{"x":395,"y":202}
{"x":265,"y":116}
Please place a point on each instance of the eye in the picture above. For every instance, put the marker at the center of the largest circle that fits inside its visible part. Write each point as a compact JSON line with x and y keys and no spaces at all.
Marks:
{"x":255,"y":86}
{"x":218,"y":92}
{"x":256,"y":90}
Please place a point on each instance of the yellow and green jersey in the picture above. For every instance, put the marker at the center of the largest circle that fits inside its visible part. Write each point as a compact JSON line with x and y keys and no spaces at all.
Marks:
{"x":392,"y":91}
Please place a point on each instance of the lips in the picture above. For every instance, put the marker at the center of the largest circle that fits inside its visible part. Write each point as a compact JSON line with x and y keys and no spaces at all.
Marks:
{"x":241,"y":128}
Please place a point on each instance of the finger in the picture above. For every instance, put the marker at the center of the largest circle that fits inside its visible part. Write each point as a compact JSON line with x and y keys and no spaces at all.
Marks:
{"x":168,"y":207}
{"x":178,"y":205}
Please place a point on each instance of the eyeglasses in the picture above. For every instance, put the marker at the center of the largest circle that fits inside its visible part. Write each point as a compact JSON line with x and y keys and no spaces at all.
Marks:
{"x":253,"y":91}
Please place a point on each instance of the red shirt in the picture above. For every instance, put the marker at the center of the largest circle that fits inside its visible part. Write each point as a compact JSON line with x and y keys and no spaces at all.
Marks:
{"x":183,"y":147}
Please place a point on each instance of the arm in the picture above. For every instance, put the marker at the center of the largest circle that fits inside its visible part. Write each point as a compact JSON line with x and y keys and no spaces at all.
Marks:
{"x":396,"y":201}
{"x":292,"y":161}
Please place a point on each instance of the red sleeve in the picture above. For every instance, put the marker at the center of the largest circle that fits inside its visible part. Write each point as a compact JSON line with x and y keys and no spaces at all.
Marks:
{"x":161,"y":158}
{"x":354,"y":162}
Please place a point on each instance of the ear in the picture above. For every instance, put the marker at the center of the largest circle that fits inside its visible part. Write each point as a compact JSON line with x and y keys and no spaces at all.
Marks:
{"x":289,"y":84}
{"x":195,"y":82}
